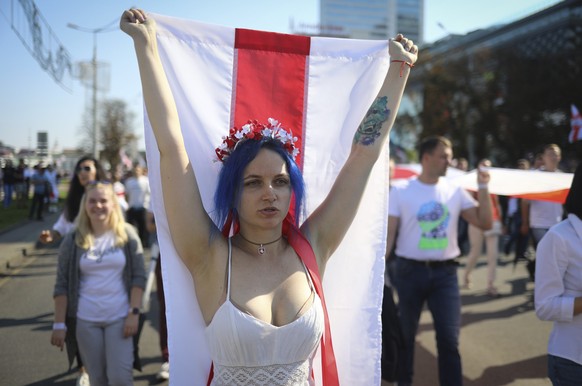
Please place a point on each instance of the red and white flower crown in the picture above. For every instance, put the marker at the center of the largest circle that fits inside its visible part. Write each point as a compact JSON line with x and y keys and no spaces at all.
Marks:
{"x":257,"y":131}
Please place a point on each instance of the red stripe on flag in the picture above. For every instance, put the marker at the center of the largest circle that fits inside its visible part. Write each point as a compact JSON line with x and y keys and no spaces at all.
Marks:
{"x":270,"y":41}
{"x":271,"y":79}
{"x":558,"y":196}
{"x":271,"y":82}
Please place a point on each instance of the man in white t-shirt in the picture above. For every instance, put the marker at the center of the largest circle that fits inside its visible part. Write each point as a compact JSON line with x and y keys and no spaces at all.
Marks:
{"x":537,"y":217}
{"x":423,"y":220}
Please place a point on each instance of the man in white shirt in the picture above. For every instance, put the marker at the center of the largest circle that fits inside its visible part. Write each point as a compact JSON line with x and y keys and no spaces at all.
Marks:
{"x":423,"y":220}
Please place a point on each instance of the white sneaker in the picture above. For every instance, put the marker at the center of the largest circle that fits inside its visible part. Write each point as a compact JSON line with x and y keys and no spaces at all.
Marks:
{"x":164,"y":372}
{"x":83,"y":379}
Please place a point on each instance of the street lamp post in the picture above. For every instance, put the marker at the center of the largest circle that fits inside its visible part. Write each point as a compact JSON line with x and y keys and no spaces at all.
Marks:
{"x":94,"y":65}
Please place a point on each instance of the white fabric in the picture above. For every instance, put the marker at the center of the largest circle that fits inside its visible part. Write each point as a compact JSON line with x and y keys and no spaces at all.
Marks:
{"x":504,"y":182}
{"x":512,"y":206}
{"x":137,"y":189}
{"x":119,"y":190}
{"x":102,"y":293}
{"x":544,"y":214}
{"x":249,"y":351}
{"x":558,"y":282}
{"x":428,"y":215}
{"x":476,"y":238}
{"x":63,"y":226}
{"x":344,"y":77}
{"x":512,"y":182}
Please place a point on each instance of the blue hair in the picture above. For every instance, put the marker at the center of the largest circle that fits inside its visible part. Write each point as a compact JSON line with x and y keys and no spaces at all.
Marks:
{"x":230,"y":179}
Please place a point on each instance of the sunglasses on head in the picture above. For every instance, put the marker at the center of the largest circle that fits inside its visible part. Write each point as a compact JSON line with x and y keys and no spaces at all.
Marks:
{"x":83,"y":169}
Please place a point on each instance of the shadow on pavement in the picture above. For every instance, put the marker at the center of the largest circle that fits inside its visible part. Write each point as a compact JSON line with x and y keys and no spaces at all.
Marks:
{"x":532,"y":368}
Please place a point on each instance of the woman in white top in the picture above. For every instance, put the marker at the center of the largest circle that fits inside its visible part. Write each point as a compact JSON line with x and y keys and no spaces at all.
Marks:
{"x":265,"y":316}
{"x":558,"y":290}
{"x":86,"y":170}
{"x":98,"y":289}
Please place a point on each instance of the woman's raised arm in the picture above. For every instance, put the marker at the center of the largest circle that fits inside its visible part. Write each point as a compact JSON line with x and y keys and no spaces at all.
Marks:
{"x":328,"y":224}
{"x":188,"y":221}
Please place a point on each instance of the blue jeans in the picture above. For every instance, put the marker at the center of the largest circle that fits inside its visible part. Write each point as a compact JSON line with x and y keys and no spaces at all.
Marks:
{"x":439,"y":288}
{"x":8,"y":189}
{"x":564,"y":372}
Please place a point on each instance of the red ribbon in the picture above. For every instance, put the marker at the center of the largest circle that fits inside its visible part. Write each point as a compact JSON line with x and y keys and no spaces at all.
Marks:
{"x":303,"y":249}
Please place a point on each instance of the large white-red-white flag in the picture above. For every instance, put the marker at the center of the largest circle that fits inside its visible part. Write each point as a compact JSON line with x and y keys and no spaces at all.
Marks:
{"x":528,"y":184}
{"x":320,"y":88}
{"x":575,"y":125}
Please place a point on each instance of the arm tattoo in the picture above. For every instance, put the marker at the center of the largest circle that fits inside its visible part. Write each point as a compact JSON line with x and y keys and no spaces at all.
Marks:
{"x":370,"y":128}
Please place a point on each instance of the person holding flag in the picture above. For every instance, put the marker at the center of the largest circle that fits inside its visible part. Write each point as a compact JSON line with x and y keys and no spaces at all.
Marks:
{"x":258,"y":283}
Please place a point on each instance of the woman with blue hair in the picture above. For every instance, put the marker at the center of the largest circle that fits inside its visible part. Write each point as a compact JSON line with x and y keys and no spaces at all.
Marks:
{"x":258,"y":284}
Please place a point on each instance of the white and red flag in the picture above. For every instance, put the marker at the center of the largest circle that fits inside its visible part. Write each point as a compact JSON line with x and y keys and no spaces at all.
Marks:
{"x":529,"y":184}
{"x":576,"y":125}
{"x":320,"y":88}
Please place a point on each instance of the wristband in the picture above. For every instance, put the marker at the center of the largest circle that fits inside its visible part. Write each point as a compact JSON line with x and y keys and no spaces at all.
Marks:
{"x":483,"y":186}
{"x":59,"y":326}
{"x":402,"y":64}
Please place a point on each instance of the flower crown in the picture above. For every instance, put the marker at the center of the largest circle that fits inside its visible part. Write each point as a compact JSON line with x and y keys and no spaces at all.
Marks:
{"x":257,"y":131}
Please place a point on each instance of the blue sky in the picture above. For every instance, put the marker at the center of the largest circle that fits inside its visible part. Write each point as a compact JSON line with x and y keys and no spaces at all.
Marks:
{"x":31,"y":101}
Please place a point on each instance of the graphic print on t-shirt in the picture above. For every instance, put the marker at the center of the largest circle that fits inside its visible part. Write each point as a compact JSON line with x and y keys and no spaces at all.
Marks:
{"x":433,"y":218}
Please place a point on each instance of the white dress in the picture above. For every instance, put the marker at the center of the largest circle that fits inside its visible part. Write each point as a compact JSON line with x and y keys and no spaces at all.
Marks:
{"x":247,"y":351}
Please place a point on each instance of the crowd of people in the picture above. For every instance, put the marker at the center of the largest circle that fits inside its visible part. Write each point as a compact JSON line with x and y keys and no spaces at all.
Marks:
{"x":19,"y":181}
{"x":414,"y":269}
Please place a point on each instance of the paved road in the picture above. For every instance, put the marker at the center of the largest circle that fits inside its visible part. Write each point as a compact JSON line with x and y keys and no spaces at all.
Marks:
{"x":502,"y":341}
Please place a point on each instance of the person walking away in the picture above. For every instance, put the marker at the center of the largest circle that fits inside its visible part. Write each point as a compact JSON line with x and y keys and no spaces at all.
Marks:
{"x":41,"y":187}
{"x":513,"y":223}
{"x":491,"y":238}
{"x":20,"y":185}
{"x":539,"y":216}
{"x":8,"y":181}
{"x":99,"y":287}
{"x":53,"y":193}
{"x":422,"y":223}
{"x":558,"y":290}
{"x":137,"y":193}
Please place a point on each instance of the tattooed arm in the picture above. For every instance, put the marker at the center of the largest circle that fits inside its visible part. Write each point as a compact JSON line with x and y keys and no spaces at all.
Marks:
{"x":327,"y":225}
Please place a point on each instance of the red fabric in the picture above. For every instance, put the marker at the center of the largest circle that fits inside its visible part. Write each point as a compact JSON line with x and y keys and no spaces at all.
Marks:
{"x":302,"y":247}
{"x":271,"y":79}
{"x":555,"y":196}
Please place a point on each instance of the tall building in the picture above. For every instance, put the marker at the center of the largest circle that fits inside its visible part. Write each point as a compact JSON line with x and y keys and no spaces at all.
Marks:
{"x":372,"y":19}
